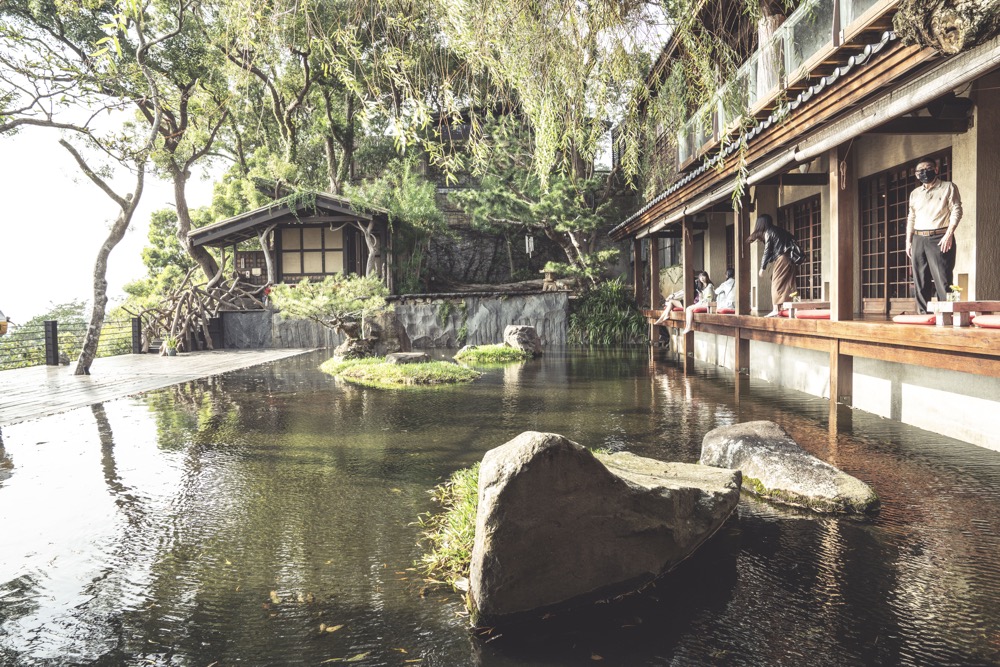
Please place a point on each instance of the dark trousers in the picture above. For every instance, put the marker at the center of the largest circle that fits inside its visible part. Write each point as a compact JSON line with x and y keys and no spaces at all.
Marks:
{"x":930,"y":264}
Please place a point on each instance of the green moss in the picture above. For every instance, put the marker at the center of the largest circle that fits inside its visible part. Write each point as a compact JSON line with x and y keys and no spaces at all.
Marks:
{"x":450,"y":533}
{"x":375,"y":372}
{"x":757,"y":488}
{"x":491,"y":354}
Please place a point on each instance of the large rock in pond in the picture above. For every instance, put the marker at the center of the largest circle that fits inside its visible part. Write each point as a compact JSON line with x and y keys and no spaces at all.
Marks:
{"x":389,"y":333}
{"x":776,"y":468}
{"x":522,"y":337}
{"x":556,"y":526}
{"x":407,"y":358}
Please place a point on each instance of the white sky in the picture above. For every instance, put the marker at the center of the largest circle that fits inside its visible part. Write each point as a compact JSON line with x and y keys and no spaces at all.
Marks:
{"x":53,"y":220}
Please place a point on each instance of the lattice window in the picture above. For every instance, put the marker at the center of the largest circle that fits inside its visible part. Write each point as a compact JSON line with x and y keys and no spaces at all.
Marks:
{"x":311,"y":251}
{"x":804,"y":220}
{"x":884,"y":202}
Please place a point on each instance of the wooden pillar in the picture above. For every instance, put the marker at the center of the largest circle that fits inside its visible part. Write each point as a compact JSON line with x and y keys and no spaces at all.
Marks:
{"x":686,"y":347}
{"x":637,"y":272}
{"x":741,"y":228}
{"x":843,"y":188}
{"x":655,"y":298}
{"x":841,"y":375}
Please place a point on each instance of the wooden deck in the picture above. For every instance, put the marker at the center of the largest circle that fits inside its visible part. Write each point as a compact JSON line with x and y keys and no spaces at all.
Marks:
{"x":39,"y":391}
{"x":965,"y":349}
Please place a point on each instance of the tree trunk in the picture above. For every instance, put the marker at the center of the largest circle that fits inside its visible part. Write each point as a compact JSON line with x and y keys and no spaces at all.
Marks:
{"x":127,"y":205}
{"x":949,"y":26}
{"x":199,"y":254}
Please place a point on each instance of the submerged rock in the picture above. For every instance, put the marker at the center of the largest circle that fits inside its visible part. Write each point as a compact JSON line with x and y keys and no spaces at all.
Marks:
{"x":557,"y":526}
{"x":776,"y":468}
{"x":522,"y":337}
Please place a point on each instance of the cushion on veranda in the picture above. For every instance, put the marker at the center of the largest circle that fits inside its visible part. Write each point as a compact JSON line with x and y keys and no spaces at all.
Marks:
{"x":700,"y":309}
{"x":915,"y":318}
{"x":987,"y":321}
{"x":677,"y":309}
{"x":726,"y":311}
{"x":818,"y":314}
{"x":782,"y":313}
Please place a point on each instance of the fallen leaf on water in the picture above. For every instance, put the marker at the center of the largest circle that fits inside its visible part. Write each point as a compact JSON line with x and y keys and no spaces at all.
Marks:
{"x":415,"y":660}
{"x":274,"y":597}
{"x":396,"y":490}
{"x":594,"y":656}
{"x":227,"y":562}
{"x":402,"y":650}
{"x":323,"y":627}
{"x":357,"y":658}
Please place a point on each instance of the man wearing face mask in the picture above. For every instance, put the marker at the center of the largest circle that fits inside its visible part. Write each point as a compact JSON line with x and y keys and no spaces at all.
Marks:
{"x":935,"y":210}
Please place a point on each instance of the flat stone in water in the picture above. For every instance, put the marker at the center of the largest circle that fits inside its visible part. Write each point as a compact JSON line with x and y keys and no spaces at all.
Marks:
{"x":407,"y":358}
{"x":775,"y":467}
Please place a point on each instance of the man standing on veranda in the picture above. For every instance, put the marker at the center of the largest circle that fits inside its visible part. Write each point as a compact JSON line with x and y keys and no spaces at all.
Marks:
{"x":935,"y":210}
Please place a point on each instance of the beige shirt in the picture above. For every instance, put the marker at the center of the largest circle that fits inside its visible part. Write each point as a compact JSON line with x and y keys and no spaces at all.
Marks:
{"x":934,"y":208}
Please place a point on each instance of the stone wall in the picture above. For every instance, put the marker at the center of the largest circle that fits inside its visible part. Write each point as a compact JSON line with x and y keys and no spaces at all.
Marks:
{"x":452,"y":321}
{"x":430,"y":321}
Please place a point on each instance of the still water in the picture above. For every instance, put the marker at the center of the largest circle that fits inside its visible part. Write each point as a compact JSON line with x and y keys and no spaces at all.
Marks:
{"x":221,"y":522}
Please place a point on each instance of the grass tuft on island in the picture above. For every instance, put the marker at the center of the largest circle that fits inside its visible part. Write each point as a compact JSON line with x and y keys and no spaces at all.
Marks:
{"x":491,"y":354}
{"x":376,"y":372}
{"x":450,"y":533}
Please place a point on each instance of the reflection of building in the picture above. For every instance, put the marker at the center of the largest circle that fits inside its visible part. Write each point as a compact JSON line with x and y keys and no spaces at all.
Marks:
{"x":830,"y":150}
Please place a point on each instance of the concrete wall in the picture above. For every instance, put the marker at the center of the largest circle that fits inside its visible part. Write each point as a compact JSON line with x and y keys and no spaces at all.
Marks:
{"x":432,"y":324}
{"x":957,"y":405}
{"x":429,"y":323}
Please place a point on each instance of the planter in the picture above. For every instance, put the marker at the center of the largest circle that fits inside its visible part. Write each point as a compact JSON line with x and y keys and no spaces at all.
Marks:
{"x":171,"y":351}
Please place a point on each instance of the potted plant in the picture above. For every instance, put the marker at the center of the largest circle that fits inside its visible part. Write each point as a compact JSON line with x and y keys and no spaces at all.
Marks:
{"x":170,"y":342}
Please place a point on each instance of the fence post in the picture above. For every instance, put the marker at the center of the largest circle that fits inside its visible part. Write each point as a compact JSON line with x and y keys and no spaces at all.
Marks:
{"x":136,"y":335}
{"x":51,"y":343}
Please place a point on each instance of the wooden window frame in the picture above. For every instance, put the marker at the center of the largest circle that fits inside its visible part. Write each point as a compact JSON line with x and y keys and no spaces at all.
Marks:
{"x":301,"y":251}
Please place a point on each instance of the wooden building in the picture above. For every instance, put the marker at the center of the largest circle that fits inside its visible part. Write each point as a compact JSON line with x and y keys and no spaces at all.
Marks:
{"x":304,"y":237}
{"x":835,"y":131}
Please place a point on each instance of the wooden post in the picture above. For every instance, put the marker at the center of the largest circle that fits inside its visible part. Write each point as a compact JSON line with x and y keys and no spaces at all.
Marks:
{"x":686,"y":347}
{"x":637,"y":272}
{"x":51,"y":342}
{"x":136,"y":335}
{"x":741,"y":228}
{"x":841,"y":375}
{"x":655,"y":298}
{"x":843,"y":186}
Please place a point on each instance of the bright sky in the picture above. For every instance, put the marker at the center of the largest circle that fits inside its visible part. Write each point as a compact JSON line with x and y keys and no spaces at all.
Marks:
{"x":53,"y":220}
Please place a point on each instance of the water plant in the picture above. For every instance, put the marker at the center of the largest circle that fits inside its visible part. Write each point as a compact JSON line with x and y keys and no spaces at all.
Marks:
{"x":450,"y":533}
{"x":376,"y":372}
{"x":491,"y":354}
{"x":607,"y":315}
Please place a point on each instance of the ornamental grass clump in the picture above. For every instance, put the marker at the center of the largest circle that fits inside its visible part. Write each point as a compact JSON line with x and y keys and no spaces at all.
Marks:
{"x":607,"y":315}
{"x":491,"y":354}
{"x":450,"y":533}
{"x":376,"y":372}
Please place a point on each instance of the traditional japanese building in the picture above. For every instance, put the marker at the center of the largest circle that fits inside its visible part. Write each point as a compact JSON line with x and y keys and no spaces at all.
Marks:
{"x":832,"y":115}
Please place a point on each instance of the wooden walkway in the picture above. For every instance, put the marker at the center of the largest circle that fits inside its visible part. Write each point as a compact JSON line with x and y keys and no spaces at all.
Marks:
{"x":29,"y":393}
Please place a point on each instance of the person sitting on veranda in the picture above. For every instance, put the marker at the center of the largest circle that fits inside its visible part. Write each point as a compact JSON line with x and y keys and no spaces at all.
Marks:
{"x":702,"y":299}
{"x":725,"y":292}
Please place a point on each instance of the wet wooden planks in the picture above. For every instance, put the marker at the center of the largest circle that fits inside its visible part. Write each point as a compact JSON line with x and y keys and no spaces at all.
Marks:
{"x":39,"y":391}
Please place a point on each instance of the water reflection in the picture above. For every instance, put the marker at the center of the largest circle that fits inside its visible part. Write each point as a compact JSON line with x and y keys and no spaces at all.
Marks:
{"x":225,"y":520}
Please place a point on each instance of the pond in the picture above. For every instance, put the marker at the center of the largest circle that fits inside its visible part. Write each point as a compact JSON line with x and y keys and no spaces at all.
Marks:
{"x":225,"y":521}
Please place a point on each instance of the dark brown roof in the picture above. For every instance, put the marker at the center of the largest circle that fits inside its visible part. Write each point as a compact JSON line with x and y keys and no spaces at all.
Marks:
{"x":328,"y":208}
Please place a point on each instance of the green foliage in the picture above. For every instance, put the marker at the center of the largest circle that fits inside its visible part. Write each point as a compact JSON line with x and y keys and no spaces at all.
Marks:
{"x":491,"y":354}
{"x":607,"y":315}
{"x":336,"y":302}
{"x":375,"y":372}
{"x":450,"y":534}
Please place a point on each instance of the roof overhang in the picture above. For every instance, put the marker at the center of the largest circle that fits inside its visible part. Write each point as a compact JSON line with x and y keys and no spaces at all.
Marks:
{"x":328,"y":209}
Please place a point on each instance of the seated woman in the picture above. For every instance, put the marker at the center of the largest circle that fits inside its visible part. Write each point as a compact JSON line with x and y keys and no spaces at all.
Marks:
{"x":706,"y":293}
{"x":725,"y":293}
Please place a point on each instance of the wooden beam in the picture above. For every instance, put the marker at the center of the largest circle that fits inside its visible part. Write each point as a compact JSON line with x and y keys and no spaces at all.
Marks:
{"x":687,"y":266}
{"x":637,"y":272}
{"x":842,"y":182}
{"x":841,"y":375}
{"x":796,"y":179}
{"x":963,"y":363}
{"x":655,"y":296}
{"x":923,"y":125}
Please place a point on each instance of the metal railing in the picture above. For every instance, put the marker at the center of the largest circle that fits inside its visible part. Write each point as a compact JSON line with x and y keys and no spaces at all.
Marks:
{"x":48,"y":342}
{"x":814,"y":28}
